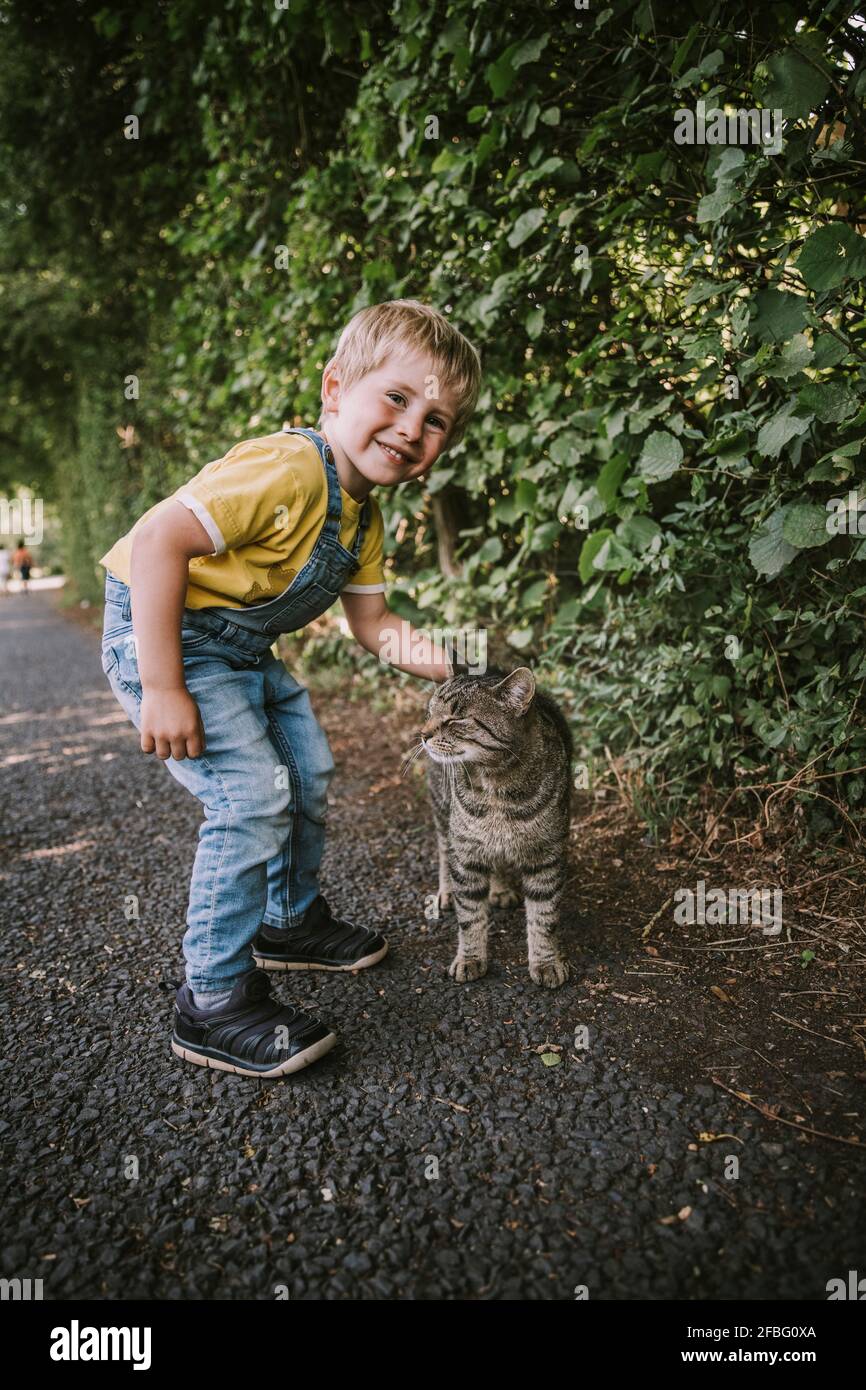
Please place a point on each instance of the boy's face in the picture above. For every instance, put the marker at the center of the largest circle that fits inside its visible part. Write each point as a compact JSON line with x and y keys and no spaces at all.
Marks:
{"x":390,"y":406}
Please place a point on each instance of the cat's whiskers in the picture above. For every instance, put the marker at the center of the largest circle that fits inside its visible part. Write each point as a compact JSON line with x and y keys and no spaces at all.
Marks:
{"x":408,"y":761}
{"x":469,"y":778}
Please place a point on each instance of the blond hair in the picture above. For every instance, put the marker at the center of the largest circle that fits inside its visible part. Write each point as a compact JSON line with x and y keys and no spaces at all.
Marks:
{"x":373,"y":333}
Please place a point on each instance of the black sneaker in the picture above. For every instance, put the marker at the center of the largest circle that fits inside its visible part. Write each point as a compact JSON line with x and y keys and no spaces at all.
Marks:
{"x":251,"y":1034}
{"x":322,"y":942}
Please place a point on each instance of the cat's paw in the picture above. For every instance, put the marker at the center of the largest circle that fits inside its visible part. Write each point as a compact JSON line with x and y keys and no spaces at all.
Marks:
{"x":503,"y":895}
{"x":444,"y":900}
{"x":466,"y":968}
{"x":549,"y":973}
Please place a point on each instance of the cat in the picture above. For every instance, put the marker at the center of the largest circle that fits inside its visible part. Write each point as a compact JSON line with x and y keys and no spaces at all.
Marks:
{"x":499,"y":778}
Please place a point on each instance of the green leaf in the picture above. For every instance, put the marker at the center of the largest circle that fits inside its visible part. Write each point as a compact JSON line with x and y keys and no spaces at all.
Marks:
{"x":520,"y":638}
{"x":638,"y":531}
{"x":568,"y":447}
{"x":444,"y":161}
{"x":500,"y":75}
{"x":830,"y":401}
{"x":778,"y":431}
{"x":779,"y":315}
{"x":590,"y":548}
{"x":530,"y":51}
{"x":534,"y":594}
{"x":530,"y":120}
{"x":526,"y":224}
{"x":525,"y":496}
{"x":705,"y":68}
{"x":545,"y":535}
{"x":727,"y":164}
{"x":490,"y":551}
{"x":683,"y":51}
{"x":612,"y":555}
{"x":534,"y":322}
{"x":438,"y":479}
{"x":831,"y":254}
{"x":794,"y":86}
{"x":567,"y":614}
{"x":485,"y":307}
{"x":705,"y":289}
{"x":804,"y":525}
{"x":610,"y":477}
{"x":829,"y":352}
{"x":504,"y":512}
{"x":792,"y":359}
{"x":714,"y":205}
{"x":639,"y":419}
{"x":661,"y":457}
{"x":769,"y":552}
{"x":550,"y":1059}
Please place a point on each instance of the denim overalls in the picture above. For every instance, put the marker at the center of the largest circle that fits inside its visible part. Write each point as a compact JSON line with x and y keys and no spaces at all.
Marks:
{"x":264,"y":774}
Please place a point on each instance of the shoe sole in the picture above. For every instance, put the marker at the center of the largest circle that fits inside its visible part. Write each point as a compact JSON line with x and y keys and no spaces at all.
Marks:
{"x":266,"y":963}
{"x":296,"y":1063}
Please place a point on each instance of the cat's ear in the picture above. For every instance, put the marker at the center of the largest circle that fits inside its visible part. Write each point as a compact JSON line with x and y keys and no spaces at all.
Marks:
{"x":517,"y":689}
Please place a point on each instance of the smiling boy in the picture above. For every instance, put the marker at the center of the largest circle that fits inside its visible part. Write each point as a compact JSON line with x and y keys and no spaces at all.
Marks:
{"x":259,"y":542}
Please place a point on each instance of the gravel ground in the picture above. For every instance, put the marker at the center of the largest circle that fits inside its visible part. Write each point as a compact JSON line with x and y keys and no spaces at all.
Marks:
{"x":433,"y":1154}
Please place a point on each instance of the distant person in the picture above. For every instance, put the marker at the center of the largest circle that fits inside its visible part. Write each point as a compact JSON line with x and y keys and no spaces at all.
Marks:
{"x":5,"y":567}
{"x":22,"y":560}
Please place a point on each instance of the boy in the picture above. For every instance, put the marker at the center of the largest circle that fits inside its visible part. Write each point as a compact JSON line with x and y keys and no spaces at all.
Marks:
{"x":257,"y":543}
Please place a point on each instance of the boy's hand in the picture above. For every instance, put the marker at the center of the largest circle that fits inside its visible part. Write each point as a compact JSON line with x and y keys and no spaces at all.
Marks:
{"x":171,"y":724}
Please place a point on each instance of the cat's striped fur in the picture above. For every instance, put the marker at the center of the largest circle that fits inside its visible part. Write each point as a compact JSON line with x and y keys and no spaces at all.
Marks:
{"x":499,"y":776}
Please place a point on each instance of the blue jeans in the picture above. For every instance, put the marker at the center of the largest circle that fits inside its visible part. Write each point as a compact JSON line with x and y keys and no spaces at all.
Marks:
{"x":263,"y":781}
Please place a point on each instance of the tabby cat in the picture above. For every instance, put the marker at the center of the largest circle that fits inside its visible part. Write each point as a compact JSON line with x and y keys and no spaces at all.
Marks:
{"x":499,"y":778}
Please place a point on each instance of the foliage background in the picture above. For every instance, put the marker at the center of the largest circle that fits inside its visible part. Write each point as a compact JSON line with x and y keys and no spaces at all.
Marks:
{"x":620,"y":514}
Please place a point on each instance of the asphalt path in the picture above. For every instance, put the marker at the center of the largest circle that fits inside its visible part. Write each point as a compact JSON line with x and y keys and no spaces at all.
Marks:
{"x":433,"y":1154}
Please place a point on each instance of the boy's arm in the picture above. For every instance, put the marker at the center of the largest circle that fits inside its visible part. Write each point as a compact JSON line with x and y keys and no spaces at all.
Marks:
{"x":162,"y":548}
{"x":392,"y":639}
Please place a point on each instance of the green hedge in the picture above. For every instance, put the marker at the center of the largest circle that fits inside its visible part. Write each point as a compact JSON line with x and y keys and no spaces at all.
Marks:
{"x":671,"y":334}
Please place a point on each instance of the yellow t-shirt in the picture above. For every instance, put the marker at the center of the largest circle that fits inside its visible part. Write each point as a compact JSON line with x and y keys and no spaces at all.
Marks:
{"x":263,"y":506}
